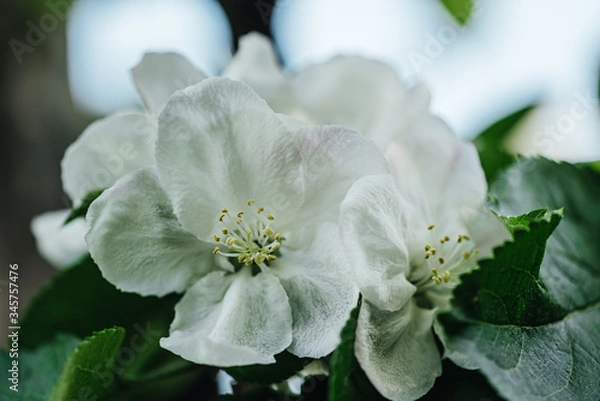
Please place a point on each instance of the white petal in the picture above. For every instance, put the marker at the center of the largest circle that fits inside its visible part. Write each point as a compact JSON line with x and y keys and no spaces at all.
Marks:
{"x":487,"y":231}
{"x":373,"y":230}
{"x":358,"y":93}
{"x":256,"y":64}
{"x":60,"y":245}
{"x":159,"y":75}
{"x":230,"y":320}
{"x":319,"y":286}
{"x":397,"y":350}
{"x":107,"y":150}
{"x":333,"y":158}
{"x":137,"y":242}
{"x":436,"y":170}
{"x":220,"y":145}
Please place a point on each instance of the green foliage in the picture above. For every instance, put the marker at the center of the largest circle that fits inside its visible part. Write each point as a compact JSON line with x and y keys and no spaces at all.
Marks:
{"x":461,"y":10}
{"x":86,"y":370}
{"x":38,"y":370}
{"x":491,"y":144}
{"x":79,"y":301}
{"x":550,"y":353}
{"x":82,"y":209}
{"x":507,"y":289}
{"x":347,"y":380}
{"x":286,"y":365}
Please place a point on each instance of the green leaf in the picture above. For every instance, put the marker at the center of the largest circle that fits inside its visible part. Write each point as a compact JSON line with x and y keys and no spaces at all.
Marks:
{"x":82,"y":209}
{"x":552,"y":353}
{"x":38,"y":370}
{"x":507,"y":289}
{"x":79,"y":301}
{"x":286,"y":366}
{"x":87,"y":373}
{"x":348,"y":381}
{"x":514,"y":223}
{"x":491,"y":144}
{"x":461,"y":10}
{"x":570,"y":269}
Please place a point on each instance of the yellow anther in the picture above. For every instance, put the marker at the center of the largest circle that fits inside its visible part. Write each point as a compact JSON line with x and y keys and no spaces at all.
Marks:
{"x":466,"y":255}
{"x":216,"y":238}
{"x":259,"y":257}
{"x":250,"y":202}
{"x":268,"y":231}
{"x":446,"y":238}
{"x":224,"y":210}
{"x":433,"y":251}
{"x":437,"y":280}
{"x":221,"y":217}
{"x":248,"y":261}
{"x":238,"y":222}
{"x":441,"y":260}
{"x":466,"y":238}
{"x":225,"y":231}
{"x":229,"y":241}
{"x":277,"y":236}
{"x":428,"y":255}
{"x":260,"y":210}
{"x":240,"y":214}
{"x":431,"y":227}
{"x":216,"y":250}
{"x":275,"y":246}
{"x":427,"y":247}
{"x":434,"y":271}
{"x":446,"y":276}
{"x":270,"y":217}
{"x":271,"y":258}
{"x":241,"y":258}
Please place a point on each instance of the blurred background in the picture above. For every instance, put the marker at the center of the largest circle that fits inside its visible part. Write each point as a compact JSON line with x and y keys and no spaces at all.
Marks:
{"x":65,"y":63}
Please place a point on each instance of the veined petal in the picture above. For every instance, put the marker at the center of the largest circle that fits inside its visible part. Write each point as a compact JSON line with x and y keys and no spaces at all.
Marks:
{"x":358,"y":93}
{"x":60,"y":245}
{"x":437,"y":171}
{"x":373,"y":230}
{"x":333,"y":158}
{"x":107,"y":150}
{"x":159,"y":75}
{"x":318,"y":283}
{"x":219,"y":145}
{"x":231,"y":319}
{"x":397,"y":350}
{"x":137,"y":242}
{"x":255,"y":63}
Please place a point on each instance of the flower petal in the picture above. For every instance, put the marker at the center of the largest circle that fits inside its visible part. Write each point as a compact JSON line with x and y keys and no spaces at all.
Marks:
{"x":137,"y":242}
{"x":219,"y":145}
{"x":436,"y":170}
{"x":229,"y":320}
{"x":318,"y":283}
{"x":397,"y":350}
{"x":333,"y":158}
{"x":358,"y":93}
{"x":255,"y":63}
{"x":107,"y":150}
{"x":61,"y":245}
{"x":372,"y":226}
{"x":159,"y":75}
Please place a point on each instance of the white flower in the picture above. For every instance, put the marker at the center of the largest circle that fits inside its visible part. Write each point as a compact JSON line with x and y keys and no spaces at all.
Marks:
{"x":409,"y":237}
{"x":239,"y":214}
{"x":109,"y":149}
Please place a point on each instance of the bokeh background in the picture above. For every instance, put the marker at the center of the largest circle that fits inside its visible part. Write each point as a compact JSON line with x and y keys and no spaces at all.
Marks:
{"x":65,"y":63}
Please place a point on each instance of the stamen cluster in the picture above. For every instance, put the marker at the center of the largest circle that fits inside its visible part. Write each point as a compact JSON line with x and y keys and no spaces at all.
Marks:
{"x":249,"y":239}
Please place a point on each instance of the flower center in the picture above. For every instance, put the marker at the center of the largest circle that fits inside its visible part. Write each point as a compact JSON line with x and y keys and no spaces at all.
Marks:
{"x":448,"y":257}
{"x":249,"y":238}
